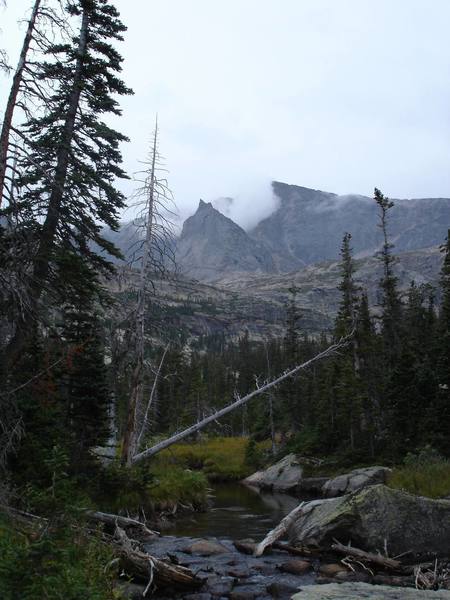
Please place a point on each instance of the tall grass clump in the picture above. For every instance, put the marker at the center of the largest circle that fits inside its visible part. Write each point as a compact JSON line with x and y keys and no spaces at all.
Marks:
{"x":425,"y":473}
{"x":220,"y":458}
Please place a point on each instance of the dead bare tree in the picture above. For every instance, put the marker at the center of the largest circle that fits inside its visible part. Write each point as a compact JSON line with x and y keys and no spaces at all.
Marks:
{"x":153,"y":218}
{"x":330,"y":351}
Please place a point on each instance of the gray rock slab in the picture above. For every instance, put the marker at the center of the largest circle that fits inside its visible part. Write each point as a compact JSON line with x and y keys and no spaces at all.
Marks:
{"x":359,"y":591}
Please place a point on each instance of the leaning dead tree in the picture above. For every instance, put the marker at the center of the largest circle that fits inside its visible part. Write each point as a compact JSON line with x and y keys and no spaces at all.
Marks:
{"x":330,"y":351}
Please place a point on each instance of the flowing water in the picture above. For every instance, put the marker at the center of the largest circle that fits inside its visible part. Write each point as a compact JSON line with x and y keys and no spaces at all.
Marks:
{"x":237,"y":512}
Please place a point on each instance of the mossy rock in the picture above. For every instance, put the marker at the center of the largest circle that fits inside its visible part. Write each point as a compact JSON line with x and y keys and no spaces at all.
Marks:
{"x":374,"y":518}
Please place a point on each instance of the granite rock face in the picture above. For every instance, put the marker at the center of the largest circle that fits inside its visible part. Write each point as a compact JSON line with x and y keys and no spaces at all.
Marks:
{"x":308,"y":225}
{"x":211,"y":245}
{"x":283,"y":476}
{"x":375,"y":517}
{"x":359,"y":591}
{"x":353,"y":481}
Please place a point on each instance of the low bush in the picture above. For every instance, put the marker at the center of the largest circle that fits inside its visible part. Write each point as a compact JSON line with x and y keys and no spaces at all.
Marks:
{"x":425,"y":473}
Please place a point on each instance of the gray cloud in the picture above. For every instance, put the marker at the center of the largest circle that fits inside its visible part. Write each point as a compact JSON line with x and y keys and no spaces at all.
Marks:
{"x":339,"y":96}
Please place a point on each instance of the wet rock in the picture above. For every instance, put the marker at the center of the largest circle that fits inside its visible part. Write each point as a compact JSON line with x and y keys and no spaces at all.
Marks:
{"x":311,"y":485}
{"x":353,"y":576}
{"x":284,"y":476}
{"x":200,"y":596}
{"x":247,"y":592}
{"x":295,"y":567}
{"x":330,"y":570}
{"x":245,"y":546}
{"x":373,"y":517}
{"x":221,"y":586}
{"x":360,"y":591}
{"x":353,"y":481}
{"x":278,"y":589}
{"x":131,"y":591}
{"x":206,"y":548}
{"x":241,"y":573}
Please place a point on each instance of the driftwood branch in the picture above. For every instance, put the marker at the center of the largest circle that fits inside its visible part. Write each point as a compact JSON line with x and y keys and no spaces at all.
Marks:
{"x":279,"y":530}
{"x":376,"y":559}
{"x":119,"y":521}
{"x":330,"y":351}
{"x":153,"y":570}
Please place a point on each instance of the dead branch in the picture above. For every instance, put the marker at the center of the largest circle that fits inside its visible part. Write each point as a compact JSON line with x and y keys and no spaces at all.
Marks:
{"x":330,"y":351}
{"x":279,"y":530}
{"x":145,"y":567}
{"x":117,"y":520}
{"x":389,"y":564}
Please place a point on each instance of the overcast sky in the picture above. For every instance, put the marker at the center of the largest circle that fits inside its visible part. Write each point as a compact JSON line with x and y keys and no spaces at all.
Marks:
{"x":338,"y":95}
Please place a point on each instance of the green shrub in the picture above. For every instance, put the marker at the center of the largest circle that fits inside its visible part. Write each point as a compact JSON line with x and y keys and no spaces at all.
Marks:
{"x":424,"y":473}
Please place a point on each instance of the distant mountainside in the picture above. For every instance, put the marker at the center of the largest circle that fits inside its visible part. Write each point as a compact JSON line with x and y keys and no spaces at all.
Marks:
{"x":306,"y":228}
{"x":308,"y":225}
{"x":255,"y":303}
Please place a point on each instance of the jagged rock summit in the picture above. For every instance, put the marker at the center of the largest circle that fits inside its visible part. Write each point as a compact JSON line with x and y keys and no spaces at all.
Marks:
{"x":306,"y":228}
{"x":211,"y":245}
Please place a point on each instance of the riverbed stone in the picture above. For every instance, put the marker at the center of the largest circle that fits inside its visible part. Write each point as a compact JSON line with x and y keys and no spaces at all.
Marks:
{"x":362,"y":591}
{"x":246,"y":546}
{"x":374,"y":517}
{"x":279,"y":589}
{"x":330,"y":569}
{"x":247,"y":592}
{"x":131,"y":591}
{"x":206,"y":548}
{"x":283,"y":476}
{"x":199,"y":596}
{"x":296,"y":567}
{"x":355,"y":480}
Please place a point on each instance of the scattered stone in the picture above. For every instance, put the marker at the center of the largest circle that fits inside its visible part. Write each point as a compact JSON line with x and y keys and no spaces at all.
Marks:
{"x":242,"y":573}
{"x":295,"y":567}
{"x":131,"y":591}
{"x":206,"y":548}
{"x":353,"y":576}
{"x":247,"y":592}
{"x":200,"y":596}
{"x":279,"y":589}
{"x":220,"y":586}
{"x":246,"y":546}
{"x":331,"y":569}
{"x":361,"y":591}
{"x":355,"y":480}
{"x":374,"y":517}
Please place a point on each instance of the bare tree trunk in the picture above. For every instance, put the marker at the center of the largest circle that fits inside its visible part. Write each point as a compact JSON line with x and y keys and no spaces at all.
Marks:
{"x":331,"y":350}
{"x":41,"y":263}
{"x":130,"y":440}
{"x":12,"y":98}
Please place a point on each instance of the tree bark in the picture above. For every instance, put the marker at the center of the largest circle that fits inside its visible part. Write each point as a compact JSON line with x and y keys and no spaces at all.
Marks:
{"x":41,"y":262}
{"x":12,"y":98}
{"x":130,"y":440}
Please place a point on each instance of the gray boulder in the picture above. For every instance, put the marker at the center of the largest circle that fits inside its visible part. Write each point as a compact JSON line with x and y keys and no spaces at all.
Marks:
{"x":374,"y":517}
{"x":353,"y":481}
{"x":283,"y":476}
{"x":358,"y":591}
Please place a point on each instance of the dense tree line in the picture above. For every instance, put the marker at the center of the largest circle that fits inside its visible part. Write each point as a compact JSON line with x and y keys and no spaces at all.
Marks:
{"x":387,"y":392}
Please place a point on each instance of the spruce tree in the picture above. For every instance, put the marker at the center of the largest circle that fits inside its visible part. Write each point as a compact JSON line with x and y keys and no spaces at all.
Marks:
{"x":69,"y":179}
{"x":391,"y":303}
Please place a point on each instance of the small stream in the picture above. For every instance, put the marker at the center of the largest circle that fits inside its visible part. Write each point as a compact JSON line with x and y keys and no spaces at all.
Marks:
{"x":236,"y":513}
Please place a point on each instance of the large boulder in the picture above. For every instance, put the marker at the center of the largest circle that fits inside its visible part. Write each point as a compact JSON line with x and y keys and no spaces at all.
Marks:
{"x":374,"y":518}
{"x":353,"y":481}
{"x":283,"y":476}
{"x":358,"y":591}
